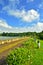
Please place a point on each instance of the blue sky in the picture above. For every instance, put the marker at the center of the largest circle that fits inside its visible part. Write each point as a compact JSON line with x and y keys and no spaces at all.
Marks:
{"x":21,"y":15}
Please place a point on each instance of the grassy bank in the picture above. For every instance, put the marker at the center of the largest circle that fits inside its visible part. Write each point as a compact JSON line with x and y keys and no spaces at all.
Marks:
{"x":29,"y":53}
{"x":38,"y":55}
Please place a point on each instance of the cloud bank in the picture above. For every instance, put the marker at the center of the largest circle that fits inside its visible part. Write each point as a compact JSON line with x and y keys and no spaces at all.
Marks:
{"x":27,"y":16}
{"x":4,"y":27}
{"x":4,"y":24}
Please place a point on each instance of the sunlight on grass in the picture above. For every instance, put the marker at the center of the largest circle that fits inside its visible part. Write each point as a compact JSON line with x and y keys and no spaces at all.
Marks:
{"x":36,"y":53}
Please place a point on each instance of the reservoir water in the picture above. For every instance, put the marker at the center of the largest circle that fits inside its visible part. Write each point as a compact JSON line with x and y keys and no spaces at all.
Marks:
{"x":6,"y":38}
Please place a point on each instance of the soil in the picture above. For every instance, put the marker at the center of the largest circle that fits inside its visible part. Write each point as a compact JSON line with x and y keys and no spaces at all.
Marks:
{"x":4,"y":54}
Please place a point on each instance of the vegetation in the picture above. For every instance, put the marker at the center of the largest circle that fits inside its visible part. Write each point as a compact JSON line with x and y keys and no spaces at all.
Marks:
{"x":38,"y":55}
{"x":40,"y":35}
{"x":20,"y":56}
{"x":32,"y":34}
{"x":27,"y":54}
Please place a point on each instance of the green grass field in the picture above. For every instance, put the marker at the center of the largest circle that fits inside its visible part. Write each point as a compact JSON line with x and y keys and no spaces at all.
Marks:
{"x":36,"y":57}
{"x":38,"y":54}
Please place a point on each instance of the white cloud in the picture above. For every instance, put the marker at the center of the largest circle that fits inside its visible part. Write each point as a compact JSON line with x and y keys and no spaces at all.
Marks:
{"x":4,"y":24}
{"x":40,"y":26}
{"x":4,"y":27}
{"x":37,"y":27}
{"x":27,"y":16}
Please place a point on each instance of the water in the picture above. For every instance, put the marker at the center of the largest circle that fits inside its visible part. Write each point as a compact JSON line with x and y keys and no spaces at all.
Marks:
{"x":6,"y":38}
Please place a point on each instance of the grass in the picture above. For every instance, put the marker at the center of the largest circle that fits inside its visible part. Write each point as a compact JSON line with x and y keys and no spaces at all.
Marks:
{"x":37,"y":53}
{"x":20,"y":56}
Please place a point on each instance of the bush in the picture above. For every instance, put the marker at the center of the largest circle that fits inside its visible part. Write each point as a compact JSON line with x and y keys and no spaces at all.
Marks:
{"x":22,"y":55}
{"x":41,"y":36}
{"x":19,"y":56}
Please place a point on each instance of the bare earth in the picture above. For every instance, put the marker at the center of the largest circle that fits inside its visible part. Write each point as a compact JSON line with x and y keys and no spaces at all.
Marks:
{"x":6,"y":48}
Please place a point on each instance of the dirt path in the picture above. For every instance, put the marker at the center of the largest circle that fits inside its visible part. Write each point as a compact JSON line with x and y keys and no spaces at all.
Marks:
{"x":6,"y":48}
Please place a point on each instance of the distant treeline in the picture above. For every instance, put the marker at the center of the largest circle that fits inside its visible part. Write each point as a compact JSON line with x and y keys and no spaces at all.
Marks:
{"x":32,"y":34}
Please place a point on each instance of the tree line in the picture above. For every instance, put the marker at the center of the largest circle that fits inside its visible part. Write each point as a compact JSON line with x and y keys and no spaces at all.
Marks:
{"x":32,"y":34}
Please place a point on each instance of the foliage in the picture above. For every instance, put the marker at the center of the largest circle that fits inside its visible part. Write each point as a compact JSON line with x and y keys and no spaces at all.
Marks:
{"x":19,"y":56}
{"x":32,"y":34}
{"x":40,"y":35}
{"x":38,"y":55}
{"x":28,"y":54}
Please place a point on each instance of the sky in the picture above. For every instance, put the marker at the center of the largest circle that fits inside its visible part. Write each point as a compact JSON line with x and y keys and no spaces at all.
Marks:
{"x":21,"y":16}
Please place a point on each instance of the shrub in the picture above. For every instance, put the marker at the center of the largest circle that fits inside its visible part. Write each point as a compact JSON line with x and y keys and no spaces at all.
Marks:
{"x":19,"y":56}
